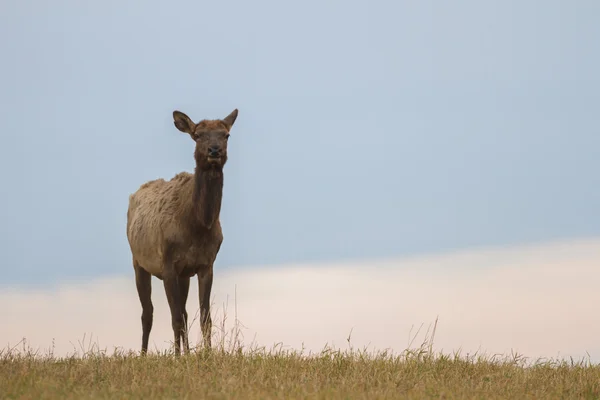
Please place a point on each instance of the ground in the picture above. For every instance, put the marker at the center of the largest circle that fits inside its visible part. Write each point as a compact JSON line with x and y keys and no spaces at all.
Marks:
{"x":258,"y":373}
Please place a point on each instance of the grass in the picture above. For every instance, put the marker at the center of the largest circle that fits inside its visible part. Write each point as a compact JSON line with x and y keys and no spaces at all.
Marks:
{"x":231,"y":371}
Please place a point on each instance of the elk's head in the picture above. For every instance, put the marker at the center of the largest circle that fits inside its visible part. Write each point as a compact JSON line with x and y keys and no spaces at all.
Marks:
{"x":210,"y":136}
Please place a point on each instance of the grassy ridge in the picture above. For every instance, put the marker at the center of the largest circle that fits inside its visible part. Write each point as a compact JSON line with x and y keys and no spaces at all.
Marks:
{"x":284,"y":374}
{"x":232,"y":371}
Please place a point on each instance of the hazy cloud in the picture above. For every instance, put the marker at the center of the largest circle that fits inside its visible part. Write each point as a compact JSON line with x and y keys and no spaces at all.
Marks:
{"x":540,"y":301}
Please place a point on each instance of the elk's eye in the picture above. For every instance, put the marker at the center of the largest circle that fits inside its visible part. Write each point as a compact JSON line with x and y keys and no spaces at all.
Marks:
{"x":227,"y":136}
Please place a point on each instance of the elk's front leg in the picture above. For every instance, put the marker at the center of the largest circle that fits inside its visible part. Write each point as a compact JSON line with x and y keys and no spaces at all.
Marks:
{"x":144,"y":288}
{"x":205,"y":281}
{"x":184,"y":289}
{"x":172,"y":289}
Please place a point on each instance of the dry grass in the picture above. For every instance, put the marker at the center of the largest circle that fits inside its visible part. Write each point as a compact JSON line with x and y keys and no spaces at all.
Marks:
{"x":230,"y":371}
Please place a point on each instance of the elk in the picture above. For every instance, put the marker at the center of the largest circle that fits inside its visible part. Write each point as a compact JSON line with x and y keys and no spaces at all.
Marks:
{"x":174,"y":231}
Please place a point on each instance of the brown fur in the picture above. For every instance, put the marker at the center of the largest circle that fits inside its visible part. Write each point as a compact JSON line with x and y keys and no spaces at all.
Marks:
{"x":174,"y":231}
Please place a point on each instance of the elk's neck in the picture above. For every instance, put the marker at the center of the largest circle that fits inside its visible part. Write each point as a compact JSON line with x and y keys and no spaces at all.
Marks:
{"x":207,"y":196}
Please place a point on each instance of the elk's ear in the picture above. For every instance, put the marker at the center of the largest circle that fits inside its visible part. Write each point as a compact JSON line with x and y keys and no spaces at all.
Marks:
{"x":230,"y":119}
{"x":183,"y":122}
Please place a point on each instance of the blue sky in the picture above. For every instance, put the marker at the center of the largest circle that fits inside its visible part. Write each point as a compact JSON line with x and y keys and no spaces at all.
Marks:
{"x":366,"y":129}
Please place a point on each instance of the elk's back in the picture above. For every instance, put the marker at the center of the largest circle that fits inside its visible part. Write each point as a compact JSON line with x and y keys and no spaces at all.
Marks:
{"x":152,"y":211}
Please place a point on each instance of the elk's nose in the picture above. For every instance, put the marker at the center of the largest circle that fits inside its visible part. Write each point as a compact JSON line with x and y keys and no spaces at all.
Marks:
{"x":214,"y":151}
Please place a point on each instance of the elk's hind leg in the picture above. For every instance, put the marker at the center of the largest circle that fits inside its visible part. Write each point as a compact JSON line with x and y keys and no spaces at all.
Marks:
{"x":143,"y":282}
